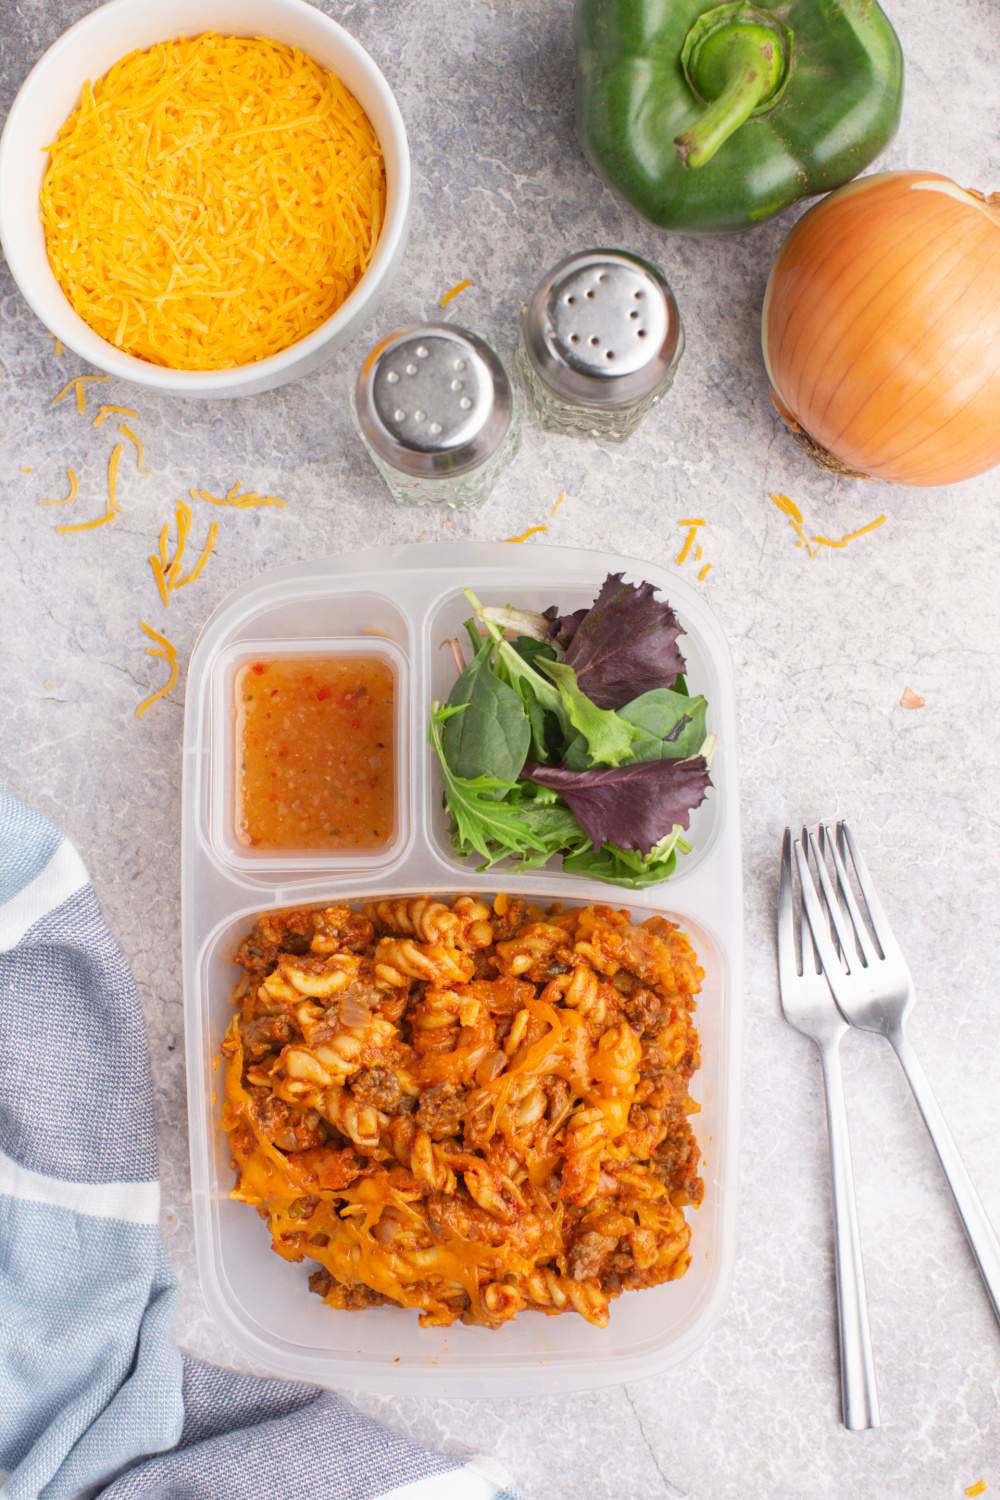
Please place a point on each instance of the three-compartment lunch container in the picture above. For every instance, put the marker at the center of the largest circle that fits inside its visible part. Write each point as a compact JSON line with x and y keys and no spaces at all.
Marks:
{"x":403,"y":603}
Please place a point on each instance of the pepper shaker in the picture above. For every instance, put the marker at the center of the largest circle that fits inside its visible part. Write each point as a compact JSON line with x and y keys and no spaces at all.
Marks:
{"x":435,"y":409}
{"x":600,"y":340}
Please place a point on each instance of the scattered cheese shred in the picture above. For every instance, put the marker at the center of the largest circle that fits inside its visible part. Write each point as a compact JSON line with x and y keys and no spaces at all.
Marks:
{"x":57,"y":346}
{"x":812,"y":544}
{"x":531,"y":531}
{"x":76,"y":385}
{"x":112,"y":510}
{"x":109,"y":515}
{"x":704,"y":572}
{"x":234,"y":498}
{"x":184,"y":517}
{"x":27,"y":469}
{"x":850,"y":536}
{"x":167,"y":572}
{"x":454,"y":291}
{"x":140,"y":450}
{"x":161,"y":580}
{"x":163,"y":651}
{"x":207,"y":550}
{"x":104,"y":412}
{"x":979,"y":1488}
{"x":561,"y":500}
{"x":74,"y":490}
{"x":699,"y":553}
{"x":910,"y":699}
{"x":790,"y":509}
{"x":114,"y":462}
{"x":212,"y":200}
{"x":689,"y":540}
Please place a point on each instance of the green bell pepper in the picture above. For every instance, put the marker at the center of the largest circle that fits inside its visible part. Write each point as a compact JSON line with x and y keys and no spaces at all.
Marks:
{"x":711,"y":117}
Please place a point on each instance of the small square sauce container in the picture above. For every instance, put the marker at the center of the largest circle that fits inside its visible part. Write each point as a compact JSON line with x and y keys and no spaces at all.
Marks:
{"x":227,"y":847}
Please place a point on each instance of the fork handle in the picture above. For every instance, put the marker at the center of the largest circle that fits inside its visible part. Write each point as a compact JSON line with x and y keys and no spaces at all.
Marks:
{"x":858,"y":1390}
{"x":979,"y":1231}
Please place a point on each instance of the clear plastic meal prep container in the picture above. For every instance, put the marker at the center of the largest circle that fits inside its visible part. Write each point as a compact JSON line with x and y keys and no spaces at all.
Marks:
{"x":403,"y":603}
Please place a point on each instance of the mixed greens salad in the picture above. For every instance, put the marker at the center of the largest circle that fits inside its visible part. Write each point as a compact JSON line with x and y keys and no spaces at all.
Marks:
{"x":574,"y":735}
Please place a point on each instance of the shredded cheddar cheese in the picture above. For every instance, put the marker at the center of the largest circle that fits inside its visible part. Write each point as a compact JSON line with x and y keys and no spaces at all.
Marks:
{"x":104,"y":412}
{"x":184,"y":517}
{"x":114,"y":463}
{"x":112,"y":509}
{"x":524,"y":535}
{"x":454,"y":291}
{"x":76,"y":385}
{"x":74,"y":490}
{"x":27,"y":469}
{"x":212,"y":200}
{"x":109,"y":515}
{"x":164,"y":650}
{"x":207,"y":550}
{"x":560,"y":501}
{"x":689,"y":540}
{"x":140,"y":450}
{"x":703,"y":574}
{"x":160,"y":578}
{"x":235,"y":498}
{"x":850,"y":536}
{"x":167,"y":571}
{"x":812,"y":544}
{"x":57,"y":346}
{"x":973,"y":1490}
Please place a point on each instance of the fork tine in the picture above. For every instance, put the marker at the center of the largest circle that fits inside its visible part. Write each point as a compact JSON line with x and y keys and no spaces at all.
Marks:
{"x":877,"y":912}
{"x":810,"y":956}
{"x":836,"y":912}
{"x":787,"y":967}
{"x":814,"y":908}
{"x":869,"y":952}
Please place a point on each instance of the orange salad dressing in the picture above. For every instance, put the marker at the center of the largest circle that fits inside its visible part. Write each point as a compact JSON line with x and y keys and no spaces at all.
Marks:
{"x":315,"y":765}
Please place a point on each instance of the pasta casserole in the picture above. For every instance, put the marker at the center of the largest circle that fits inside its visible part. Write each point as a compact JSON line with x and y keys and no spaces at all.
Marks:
{"x":467,"y":1109}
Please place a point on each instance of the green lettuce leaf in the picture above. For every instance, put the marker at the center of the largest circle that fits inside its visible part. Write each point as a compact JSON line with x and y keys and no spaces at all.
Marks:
{"x":608,"y":737}
{"x":492,"y":733}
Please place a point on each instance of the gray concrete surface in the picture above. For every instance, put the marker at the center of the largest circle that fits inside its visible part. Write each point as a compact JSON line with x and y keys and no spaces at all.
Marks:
{"x":824,"y":649}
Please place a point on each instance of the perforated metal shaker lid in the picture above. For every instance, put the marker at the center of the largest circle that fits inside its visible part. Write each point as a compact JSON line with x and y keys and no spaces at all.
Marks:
{"x":434,"y":400}
{"x":603,"y":328}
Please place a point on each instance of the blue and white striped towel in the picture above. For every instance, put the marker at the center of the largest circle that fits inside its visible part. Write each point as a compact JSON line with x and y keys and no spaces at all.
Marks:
{"x":94,"y":1396}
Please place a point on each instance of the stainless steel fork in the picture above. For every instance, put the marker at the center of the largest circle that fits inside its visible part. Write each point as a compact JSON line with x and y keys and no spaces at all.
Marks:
{"x":808,"y":1005}
{"x":873,"y":988}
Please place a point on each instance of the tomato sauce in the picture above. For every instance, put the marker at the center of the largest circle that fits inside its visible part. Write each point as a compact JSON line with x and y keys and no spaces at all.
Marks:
{"x":315,"y":765}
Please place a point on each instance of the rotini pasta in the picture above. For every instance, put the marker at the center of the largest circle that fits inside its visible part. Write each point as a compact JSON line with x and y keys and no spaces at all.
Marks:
{"x":468,"y":1111}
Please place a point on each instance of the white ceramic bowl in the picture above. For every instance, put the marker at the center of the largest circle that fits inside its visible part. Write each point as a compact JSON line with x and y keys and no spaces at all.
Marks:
{"x":87,"y":50}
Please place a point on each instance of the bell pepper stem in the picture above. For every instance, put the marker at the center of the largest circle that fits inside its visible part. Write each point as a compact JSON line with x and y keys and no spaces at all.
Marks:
{"x":735,"y":59}
{"x":722,"y":117}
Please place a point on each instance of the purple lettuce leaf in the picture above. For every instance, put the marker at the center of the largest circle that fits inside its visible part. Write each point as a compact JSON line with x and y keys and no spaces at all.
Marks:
{"x":562,"y":628}
{"x":623,"y":646}
{"x":633,"y":806}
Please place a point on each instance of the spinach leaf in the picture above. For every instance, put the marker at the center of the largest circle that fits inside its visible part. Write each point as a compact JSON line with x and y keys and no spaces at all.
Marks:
{"x":609,"y":738}
{"x":483,"y":820}
{"x":491,"y":735}
{"x":670,"y":727}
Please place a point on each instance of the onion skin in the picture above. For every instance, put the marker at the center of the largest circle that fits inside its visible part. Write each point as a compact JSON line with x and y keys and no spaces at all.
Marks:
{"x":881,"y":330}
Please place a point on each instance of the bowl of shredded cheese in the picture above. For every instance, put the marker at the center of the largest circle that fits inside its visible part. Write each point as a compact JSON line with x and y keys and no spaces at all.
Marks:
{"x":204,"y":196}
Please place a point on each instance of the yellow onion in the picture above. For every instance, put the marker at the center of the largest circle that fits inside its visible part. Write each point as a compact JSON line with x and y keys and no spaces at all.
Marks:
{"x":881,"y":329}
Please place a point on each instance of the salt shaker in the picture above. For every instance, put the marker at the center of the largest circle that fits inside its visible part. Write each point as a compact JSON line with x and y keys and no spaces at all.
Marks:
{"x":600,"y":340}
{"x":435,"y":409}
